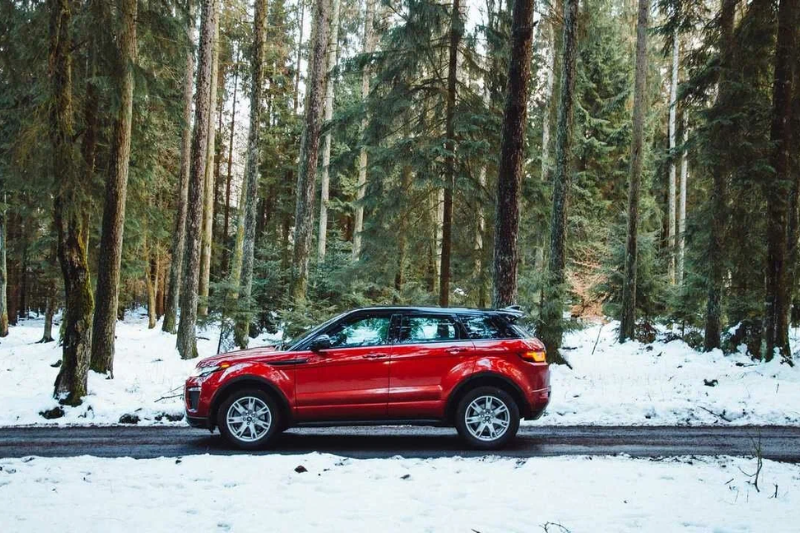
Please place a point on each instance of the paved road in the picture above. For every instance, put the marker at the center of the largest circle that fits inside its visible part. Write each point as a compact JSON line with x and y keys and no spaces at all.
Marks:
{"x":779,"y":443}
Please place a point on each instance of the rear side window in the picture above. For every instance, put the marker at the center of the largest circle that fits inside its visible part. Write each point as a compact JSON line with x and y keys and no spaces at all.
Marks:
{"x":416,"y":329}
{"x":488,"y":327}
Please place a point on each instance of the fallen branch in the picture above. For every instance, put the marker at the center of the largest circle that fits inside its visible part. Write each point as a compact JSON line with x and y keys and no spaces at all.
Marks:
{"x":721,"y":416}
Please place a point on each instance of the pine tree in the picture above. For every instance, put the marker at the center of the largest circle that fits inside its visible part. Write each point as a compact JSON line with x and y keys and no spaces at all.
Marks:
{"x":509,"y":181}
{"x":108,"y":275}
{"x":551,"y":327}
{"x":628,"y":322}
{"x":187,"y":341}
{"x":307,"y":171}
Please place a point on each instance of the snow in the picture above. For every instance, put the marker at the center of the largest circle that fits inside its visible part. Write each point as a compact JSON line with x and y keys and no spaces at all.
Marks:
{"x":632,"y":383}
{"x":266,"y":493}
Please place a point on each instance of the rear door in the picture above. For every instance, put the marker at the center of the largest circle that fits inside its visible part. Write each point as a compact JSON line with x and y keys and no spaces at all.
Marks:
{"x":428,"y":355}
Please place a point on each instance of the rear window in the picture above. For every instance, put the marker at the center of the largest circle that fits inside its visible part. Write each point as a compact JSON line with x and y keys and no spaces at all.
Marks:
{"x":489,"y":327}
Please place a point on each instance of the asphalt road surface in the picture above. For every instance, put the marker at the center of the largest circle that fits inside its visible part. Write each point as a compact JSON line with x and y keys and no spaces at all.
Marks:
{"x":778,"y":443}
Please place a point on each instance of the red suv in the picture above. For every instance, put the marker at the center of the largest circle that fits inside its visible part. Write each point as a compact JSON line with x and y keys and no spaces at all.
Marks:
{"x":474,"y":369}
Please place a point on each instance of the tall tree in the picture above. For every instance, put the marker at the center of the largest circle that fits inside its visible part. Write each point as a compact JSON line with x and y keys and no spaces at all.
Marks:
{"x":367,"y":47}
{"x":333,"y":46}
{"x":69,"y":213}
{"x":682,"y":207}
{"x":109,"y":262}
{"x":628,"y":322}
{"x":309,"y":150}
{"x":207,"y":235}
{"x":551,"y":328}
{"x":229,"y":175}
{"x":719,"y":194}
{"x":456,"y":30}
{"x":250,"y":194}
{"x":779,"y":288}
{"x":509,"y":180}
{"x":179,"y":233}
{"x":187,"y":341}
{"x":3,"y":271}
{"x":673,"y":110}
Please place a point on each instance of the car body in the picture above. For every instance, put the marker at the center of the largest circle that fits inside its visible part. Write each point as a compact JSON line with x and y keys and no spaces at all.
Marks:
{"x":392,"y":365}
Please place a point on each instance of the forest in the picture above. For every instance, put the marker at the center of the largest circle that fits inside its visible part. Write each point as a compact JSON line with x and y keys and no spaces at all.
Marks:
{"x":264,"y":164}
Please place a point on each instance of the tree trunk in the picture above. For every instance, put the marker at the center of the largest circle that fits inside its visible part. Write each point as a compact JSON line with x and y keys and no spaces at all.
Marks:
{"x":70,"y":385}
{"x":779,"y":289}
{"x":3,"y":272}
{"x":456,"y":29}
{"x":229,"y":177}
{"x":549,"y":86}
{"x":405,"y":186}
{"x":333,"y":46}
{"x":512,"y":153}
{"x":719,"y":196}
{"x":682,"y":207}
{"x":628,"y":322}
{"x":367,"y":47}
{"x":207,"y":234}
{"x":552,"y":327}
{"x":296,"y":99}
{"x":309,"y":150}
{"x":250,"y":196}
{"x":109,"y":262}
{"x":179,"y":234}
{"x":673,"y":108}
{"x":187,"y":341}
{"x":152,"y":286}
{"x":49,"y":311}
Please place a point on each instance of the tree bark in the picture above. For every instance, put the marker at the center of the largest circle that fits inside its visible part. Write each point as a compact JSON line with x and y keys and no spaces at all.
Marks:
{"x":250,"y":195}
{"x":552,"y":328}
{"x":207,"y":235}
{"x":152,"y":286}
{"x":719,"y":196}
{"x":367,"y":47}
{"x":68,"y":214}
{"x":333,"y":46}
{"x":779,"y":289}
{"x":179,"y":233}
{"x":229,"y":176}
{"x":3,"y":272}
{"x":309,"y":150}
{"x":673,"y":108}
{"x":109,"y":262}
{"x":628,"y":321}
{"x":512,"y":153}
{"x":682,"y":206}
{"x":49,"y":311}
{"x":296,"y":99}
{"x":187,"y":341}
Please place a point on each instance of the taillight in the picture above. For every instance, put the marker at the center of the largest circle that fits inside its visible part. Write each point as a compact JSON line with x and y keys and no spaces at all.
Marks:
{"x":534,"y":356}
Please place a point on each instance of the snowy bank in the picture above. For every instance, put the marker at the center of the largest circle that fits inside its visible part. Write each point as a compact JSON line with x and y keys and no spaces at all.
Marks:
{"x":330,"y":493}
{"x":657,"y":384}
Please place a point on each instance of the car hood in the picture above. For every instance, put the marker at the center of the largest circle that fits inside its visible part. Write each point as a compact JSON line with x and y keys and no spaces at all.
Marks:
{"x":265,"y":354}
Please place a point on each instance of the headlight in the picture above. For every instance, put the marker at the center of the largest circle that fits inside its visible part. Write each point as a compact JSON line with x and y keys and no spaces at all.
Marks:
{"x":203,"y":371}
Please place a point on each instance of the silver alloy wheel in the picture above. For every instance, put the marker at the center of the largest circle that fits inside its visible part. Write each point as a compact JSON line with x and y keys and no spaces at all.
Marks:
{"x":249,"y":418}
{"x":487,"y":418}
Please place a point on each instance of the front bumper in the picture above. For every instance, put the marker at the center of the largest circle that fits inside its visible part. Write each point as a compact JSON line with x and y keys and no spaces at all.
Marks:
{"x":199,"y":422}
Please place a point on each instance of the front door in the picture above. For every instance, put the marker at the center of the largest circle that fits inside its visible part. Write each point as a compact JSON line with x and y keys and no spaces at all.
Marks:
{"x":349,"y":380}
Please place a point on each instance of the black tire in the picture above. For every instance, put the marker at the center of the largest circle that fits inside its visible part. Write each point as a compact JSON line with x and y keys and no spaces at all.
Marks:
{"x":488,"y":442}
{"x":247,"y":441}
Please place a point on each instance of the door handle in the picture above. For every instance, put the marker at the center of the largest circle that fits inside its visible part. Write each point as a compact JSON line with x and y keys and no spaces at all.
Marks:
{"x":456,"y":350}
{"x":375,"y":356}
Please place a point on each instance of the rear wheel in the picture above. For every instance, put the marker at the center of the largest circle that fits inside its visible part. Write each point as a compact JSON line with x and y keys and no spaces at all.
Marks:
{"x":487,"y":418}
{"x":249,"y":419}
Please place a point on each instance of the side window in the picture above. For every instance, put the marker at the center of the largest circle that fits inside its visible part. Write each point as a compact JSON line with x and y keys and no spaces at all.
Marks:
{"x":368,"y":331}
{"x":415,"y":329}
{"x":487,"y":327}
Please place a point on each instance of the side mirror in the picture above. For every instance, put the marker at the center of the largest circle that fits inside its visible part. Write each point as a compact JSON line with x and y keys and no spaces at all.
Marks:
{"x":323,"y":342}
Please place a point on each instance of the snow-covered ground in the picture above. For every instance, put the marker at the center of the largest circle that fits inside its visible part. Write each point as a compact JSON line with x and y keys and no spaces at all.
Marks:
{"x":660,"y":384}
{"x":266,"y":493}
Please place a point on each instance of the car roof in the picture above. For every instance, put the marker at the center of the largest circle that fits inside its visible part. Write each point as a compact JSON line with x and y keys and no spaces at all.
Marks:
{"x":512,"y":311}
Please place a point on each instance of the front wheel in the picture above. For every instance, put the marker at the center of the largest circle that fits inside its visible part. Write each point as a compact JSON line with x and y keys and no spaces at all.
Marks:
{"x":249,"y":419}
{"x":487,"y":418}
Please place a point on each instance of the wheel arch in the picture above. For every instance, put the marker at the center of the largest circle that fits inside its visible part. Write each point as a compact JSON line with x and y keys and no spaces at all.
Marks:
{"x":246,"y":382}
{"x":486,"y":379}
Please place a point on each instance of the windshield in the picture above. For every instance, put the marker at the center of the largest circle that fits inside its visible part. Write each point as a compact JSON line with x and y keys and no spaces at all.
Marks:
{"x":313,"y":332}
